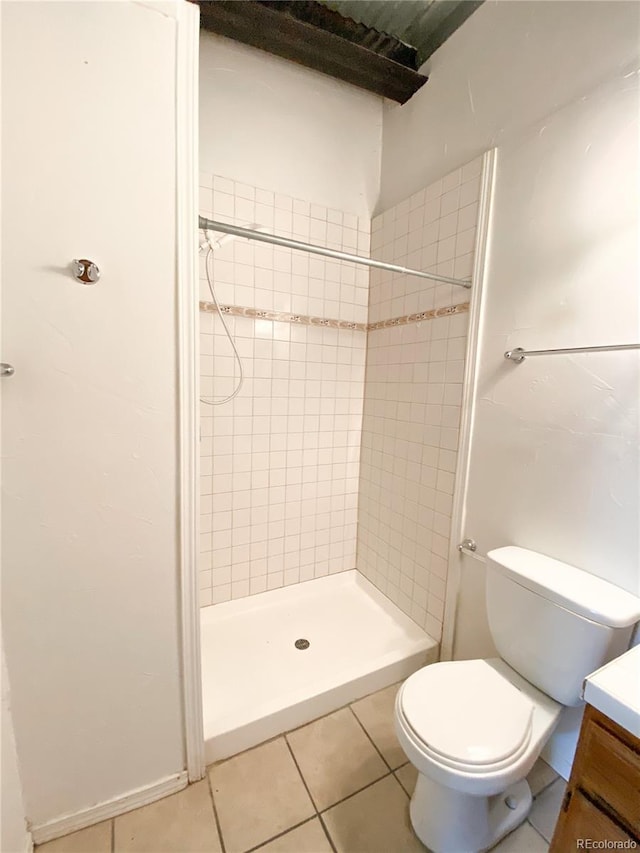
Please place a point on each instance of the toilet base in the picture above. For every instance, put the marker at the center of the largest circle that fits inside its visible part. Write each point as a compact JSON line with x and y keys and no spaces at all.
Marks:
{"x":448,"y":821}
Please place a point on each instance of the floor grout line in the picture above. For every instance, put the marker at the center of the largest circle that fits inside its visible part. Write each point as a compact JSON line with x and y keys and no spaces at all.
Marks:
{"x":359,"y":791}
{"x":320,"y":812}
{"x":220,"y":761}
{"x":395,"y":773}
{"x":339,"y":802}
{"x":304,"y":781}
{"x":548,"y":785}
{"x":371,"y":740}
{"x":284,"y":832}
{"x":215,"y":812}
{"x":536,"y":831}
{"x":327,"y":833}
{"x":328,"y":714}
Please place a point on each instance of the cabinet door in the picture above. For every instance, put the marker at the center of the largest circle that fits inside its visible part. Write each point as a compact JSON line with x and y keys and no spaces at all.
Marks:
{"x":611,"y":773}
{"x":584,"y":820}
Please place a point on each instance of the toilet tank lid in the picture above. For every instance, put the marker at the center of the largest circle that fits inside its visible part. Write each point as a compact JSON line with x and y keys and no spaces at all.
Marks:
{"x":570,"y":587}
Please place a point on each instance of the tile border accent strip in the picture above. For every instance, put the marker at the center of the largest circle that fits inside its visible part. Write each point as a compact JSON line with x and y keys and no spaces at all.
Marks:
{"x":461,"y":308}
{"x":305,"y":320}
{"x":282,"y":317}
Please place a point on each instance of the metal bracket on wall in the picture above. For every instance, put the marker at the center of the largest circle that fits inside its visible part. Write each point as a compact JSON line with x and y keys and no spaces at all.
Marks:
{"x":85,"y":271}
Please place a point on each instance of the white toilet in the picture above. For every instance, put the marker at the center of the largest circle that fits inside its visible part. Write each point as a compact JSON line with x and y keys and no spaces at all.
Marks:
{"x":473,"y":729}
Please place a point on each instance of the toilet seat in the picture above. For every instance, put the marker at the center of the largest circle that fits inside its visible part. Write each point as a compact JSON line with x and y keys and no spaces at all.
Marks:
{"x":466,"y":715}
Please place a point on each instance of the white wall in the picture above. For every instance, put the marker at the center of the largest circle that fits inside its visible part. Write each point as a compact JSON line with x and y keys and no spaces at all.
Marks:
{"x":554,"y":462}
{"x":14,"y":837}
{"x":554,"y":457}
{"x":271,"y":123}
{"x":510,"y":64}
{"x":90,"y":578}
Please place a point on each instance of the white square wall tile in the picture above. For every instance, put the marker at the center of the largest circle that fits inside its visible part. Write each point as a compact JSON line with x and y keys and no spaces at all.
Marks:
{"x":392,"y":548}
{"x":257,"y":442}
{"x":286,"y":491}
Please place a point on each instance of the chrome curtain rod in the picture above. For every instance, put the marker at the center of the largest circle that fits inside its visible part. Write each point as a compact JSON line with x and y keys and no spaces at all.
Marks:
{"x":212,"y":225}
{"x":518,"y":355}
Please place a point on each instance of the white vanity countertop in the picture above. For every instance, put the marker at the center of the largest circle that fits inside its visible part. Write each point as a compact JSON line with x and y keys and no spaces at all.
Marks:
{"x":614,"y":689}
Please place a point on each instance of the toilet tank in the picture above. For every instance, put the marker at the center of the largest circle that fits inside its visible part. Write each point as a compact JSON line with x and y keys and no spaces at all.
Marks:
{"x":553,"y":623}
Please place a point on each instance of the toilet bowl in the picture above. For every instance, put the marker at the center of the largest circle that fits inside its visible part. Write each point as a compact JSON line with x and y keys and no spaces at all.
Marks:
{"x":473,"y":730}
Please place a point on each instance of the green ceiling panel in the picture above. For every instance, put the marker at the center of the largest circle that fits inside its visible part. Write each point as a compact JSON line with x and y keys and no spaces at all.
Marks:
{"x":423,"y":24}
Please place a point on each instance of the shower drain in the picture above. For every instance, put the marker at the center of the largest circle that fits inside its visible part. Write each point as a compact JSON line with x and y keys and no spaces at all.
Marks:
{"x":302,"y":644}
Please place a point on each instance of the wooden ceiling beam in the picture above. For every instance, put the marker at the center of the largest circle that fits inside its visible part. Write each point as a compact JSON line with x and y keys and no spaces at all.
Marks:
{"x":252,"y":23}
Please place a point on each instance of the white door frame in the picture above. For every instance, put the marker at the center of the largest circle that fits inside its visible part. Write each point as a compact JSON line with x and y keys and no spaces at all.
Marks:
{"x":458,"y":519}
{"x":188,"y":17}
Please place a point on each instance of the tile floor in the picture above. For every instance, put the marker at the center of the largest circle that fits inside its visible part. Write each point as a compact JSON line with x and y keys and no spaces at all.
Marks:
{"x":340,"y":784}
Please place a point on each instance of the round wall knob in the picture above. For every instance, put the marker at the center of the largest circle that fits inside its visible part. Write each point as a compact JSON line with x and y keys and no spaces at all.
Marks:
{"x":6,"y":369}
{"x":85,"y":271}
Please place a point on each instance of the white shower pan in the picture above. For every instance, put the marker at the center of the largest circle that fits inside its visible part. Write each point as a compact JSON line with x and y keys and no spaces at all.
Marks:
{"x":257,"y":684}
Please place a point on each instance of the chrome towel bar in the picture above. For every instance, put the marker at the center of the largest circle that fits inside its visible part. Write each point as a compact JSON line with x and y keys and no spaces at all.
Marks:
{"x":518,"y":355}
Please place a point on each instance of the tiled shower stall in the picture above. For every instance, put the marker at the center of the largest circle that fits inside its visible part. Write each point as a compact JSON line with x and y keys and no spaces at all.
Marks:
{"x":340,"y":450}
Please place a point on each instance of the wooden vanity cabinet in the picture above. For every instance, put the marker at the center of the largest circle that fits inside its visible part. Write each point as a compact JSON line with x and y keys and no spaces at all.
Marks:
{"x":602,"y":802}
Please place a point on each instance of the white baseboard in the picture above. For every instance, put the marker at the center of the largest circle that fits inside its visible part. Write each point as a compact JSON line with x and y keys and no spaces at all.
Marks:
{"x":111,"y":808}
{"x":561,"y":746}
{"x":561,"y":764}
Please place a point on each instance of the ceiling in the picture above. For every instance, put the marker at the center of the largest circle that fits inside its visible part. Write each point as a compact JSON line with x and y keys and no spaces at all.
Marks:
{"x":378,"y":45}
{"x":423,"y":24}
